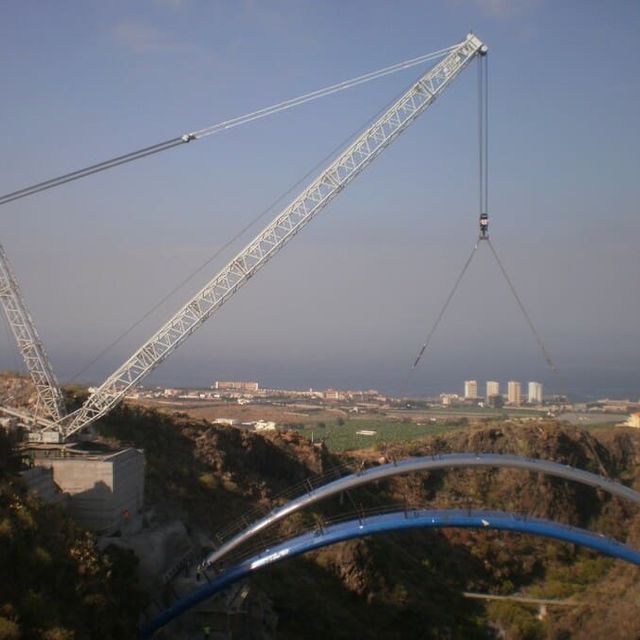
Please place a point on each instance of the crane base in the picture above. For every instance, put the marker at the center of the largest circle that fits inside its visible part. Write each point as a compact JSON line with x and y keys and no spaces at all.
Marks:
{"x":104,"y":489}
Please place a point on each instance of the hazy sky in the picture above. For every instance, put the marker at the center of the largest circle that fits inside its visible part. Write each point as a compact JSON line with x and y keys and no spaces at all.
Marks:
{"x":349,"y":302}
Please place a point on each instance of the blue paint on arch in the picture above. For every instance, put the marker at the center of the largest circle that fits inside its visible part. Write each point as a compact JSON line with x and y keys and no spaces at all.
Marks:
{"x":476,"y":519}
{"x":413,"y":465}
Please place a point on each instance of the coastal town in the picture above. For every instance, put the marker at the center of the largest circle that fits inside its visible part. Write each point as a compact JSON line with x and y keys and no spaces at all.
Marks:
{"x":248,"y":404}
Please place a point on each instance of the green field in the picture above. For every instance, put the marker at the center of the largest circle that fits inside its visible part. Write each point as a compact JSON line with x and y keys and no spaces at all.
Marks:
{"x":344,"y":437}
{"x":470,"y":411}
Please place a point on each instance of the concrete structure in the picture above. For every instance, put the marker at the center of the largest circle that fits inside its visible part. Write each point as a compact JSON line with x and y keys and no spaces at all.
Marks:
{"x":449,"y":399}
{"x":493,"y":389}
{"x":105,"y":490}
{"x":470,"y":389}
{"x":39,"y":480}
{"x":159,"y":550}
{"x":514,"y":393}
{"x":534,"y":395}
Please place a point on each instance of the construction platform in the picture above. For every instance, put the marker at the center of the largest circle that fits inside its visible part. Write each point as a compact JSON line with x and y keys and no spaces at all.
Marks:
{"x":103,"y":489}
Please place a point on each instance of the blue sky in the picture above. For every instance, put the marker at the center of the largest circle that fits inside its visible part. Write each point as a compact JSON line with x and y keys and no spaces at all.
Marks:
{"x":349,"y":302}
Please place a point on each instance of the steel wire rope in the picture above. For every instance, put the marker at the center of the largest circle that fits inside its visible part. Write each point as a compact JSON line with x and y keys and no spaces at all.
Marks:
{"x":87,"y":171}
{"x":483,"y":200}
{"x":562,"y":381}
{"x":319,"y":93}
{"x":537,"y":336}
{"x":236,"y":237}
{"x":484,"y":205}
{"x":221,"y":126}
{"x":480,"y":138}
{"x":483,"y":165}
{"x":483,"y":76}
{"x":483,"y":100}
{"x":444,"y":307}
{"x":486,"y":133}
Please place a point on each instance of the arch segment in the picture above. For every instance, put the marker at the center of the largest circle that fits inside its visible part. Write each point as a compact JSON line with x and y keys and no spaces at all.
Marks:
{"x":424,"y":463}
{"x":413,"y":519}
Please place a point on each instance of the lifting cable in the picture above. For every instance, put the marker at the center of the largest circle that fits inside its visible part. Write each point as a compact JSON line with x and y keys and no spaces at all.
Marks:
{"x":483,"y":165}
{"x":444,"y":308}
{"x":221,"y":126}
{"x":547,"y":357}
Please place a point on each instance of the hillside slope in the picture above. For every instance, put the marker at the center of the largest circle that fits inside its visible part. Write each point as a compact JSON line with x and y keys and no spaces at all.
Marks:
{"x":55,"y":584}
{"x":411,"y":583}
{"x":393,"y":586}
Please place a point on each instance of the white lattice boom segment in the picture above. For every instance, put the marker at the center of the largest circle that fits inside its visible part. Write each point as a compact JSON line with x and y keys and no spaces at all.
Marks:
{"x":285,"y":226}
{"x":50,"y":403}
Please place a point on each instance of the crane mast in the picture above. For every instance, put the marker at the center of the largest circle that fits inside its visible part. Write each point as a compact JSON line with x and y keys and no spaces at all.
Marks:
{"x":50,"y":402}
{"x":292,"y":219}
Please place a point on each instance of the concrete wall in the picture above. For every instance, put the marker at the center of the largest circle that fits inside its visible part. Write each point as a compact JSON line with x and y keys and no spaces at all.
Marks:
{"x":39,"y":480}
{"x":104,"y":490}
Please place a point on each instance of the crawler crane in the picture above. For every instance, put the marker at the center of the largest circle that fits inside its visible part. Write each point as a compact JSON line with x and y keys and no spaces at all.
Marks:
{"x":58,"y":427}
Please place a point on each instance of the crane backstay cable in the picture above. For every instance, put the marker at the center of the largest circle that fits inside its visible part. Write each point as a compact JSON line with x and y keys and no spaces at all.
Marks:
{"x":221,"y":126}
{"x":94,"y":168}
{"x":483,"y":174}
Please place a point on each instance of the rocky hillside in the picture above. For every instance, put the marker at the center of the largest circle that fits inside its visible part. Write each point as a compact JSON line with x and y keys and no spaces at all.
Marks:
{"x":394,"y":586}
{"x":411,"y":583}
{"x":55,"y":584}
{"x":17,"y":391}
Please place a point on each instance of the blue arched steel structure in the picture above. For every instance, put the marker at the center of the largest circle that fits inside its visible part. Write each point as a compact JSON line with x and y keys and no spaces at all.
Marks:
{"x":424,"y":463}
{"x":392,"y":522}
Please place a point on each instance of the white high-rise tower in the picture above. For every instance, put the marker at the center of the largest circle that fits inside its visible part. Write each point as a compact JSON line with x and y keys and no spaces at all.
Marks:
{"x":493,"y":388}
{"x":514,"y":393}
{"x":535,"y":393}
{"x":471,"y":389}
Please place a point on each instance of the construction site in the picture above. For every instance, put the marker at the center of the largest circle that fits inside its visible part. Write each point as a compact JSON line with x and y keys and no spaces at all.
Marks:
{"x":81,"y":449}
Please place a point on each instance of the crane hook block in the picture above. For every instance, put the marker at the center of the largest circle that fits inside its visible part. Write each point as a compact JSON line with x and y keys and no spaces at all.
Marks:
{"x":484,"y":225}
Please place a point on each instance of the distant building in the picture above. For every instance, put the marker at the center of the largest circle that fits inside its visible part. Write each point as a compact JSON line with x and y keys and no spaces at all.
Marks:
{"x":235,"y":385}
{"x":470,"y":389}
{"x":534,"y":396}
{"x":514,"y":393}
{"x":449,"y":399}
{"x":264,"y":425}
{"x":493,"y":389}
{"x":495,"y":402}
